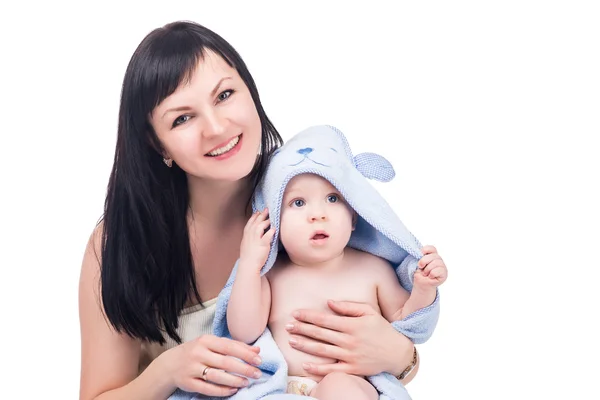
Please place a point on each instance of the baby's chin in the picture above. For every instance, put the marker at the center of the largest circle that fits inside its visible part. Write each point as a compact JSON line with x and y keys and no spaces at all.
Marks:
{"x":311,"y":257}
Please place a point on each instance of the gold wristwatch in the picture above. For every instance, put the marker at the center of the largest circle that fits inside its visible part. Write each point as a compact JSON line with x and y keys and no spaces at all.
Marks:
{"x":412,"y":365}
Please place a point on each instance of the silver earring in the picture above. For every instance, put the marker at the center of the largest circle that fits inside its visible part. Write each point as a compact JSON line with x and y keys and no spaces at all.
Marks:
{"x":168,"y":162}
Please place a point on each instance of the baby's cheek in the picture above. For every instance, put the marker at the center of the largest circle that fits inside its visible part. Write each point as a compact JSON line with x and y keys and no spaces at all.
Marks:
{"x":287,"y":240}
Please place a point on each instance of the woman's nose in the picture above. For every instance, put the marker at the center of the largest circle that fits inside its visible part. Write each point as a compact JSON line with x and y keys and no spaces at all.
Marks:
{"x":215,"y":125}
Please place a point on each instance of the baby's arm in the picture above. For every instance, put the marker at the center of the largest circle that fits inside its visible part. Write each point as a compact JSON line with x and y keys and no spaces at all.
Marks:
{"x":250,"y":300}
{"x":431,"y":273}
{"x":395,"y":302}
{"x":249,"y":305}
{"x":420,"y":297}
{"x":391,"y":296}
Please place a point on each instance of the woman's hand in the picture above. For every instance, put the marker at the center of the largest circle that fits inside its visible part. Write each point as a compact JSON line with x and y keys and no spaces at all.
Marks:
{"x":187,"y":365}
{"x":362,"y":340}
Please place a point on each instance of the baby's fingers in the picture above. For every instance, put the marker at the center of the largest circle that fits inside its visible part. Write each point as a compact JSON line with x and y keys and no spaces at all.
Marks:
{"x":436,"y":263}
{"x":427,"y":259}
{"x":440,"y":274}
{"x":428,"y":250}
{"x":251,"y":220}
{"x":264,"y":214}
{"x":261,"y":228}
{"x":268,"y":236}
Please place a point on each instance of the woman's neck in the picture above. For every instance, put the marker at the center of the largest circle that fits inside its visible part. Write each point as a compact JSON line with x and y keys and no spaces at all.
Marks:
{"x":218,"y":203}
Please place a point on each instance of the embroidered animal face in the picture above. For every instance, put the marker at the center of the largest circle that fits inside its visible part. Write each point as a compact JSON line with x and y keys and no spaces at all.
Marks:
{"x":308,"y":154}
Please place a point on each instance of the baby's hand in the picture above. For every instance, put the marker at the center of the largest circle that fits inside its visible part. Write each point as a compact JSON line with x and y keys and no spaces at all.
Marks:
{"x":256,"y":243}
{"x":431,"y":269}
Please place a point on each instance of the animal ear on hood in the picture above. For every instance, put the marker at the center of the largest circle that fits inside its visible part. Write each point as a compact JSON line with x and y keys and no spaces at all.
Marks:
{"x":374,"y":166}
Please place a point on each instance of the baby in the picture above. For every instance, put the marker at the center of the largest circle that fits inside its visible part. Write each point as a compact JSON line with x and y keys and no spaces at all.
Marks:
{"x":317,"y":264}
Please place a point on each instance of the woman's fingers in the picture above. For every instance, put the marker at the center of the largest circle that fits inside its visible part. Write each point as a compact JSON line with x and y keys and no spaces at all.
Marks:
{"x":321,"y":319}
{"x":229,"y":364}
{"x":228,"y":347}
{"x":325,"y":369}
{"x":225,"y":354}
{"x":212,"y":366}
{"x":225,"y":378}
{"x":318,"y":333}
{"x":209,"y":388}
{"x":317,"y":348}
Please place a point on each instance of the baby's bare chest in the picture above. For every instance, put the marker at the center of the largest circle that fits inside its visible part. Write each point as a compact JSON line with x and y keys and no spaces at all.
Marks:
{"x":294,"y":289}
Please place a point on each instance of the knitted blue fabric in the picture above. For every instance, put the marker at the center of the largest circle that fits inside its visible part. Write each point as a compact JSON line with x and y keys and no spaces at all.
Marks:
{"x":323,"y":150}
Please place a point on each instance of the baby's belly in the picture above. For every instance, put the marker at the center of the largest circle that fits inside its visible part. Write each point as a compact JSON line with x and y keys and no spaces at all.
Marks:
{"x":294,"y":358}
{"x":293,"y":289}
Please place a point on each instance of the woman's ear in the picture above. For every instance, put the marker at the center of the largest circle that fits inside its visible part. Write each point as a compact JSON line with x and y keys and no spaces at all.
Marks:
{"x":166,"y":158}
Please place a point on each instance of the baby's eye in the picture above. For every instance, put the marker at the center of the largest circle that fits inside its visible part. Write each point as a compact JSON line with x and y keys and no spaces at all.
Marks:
{"x":332,"y":198}
{"x":182,"y":119}
{"x":298,"y":203}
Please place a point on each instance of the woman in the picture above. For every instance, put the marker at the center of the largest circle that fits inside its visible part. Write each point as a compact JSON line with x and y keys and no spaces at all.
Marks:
{"x":193,"y":140}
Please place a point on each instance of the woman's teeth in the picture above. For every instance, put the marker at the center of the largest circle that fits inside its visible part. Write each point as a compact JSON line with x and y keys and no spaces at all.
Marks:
{"x":226,"y":148}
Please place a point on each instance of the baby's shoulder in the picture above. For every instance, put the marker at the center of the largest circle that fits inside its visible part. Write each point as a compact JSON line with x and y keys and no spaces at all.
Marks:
{"x":279,"y":266}
{"x":369,"y":263}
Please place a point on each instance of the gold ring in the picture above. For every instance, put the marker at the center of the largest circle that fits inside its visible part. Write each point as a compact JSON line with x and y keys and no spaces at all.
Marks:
{"x":204,"y":373}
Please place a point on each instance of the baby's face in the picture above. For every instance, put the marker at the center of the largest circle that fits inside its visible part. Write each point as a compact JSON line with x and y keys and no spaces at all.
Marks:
{"x":316,"y":222}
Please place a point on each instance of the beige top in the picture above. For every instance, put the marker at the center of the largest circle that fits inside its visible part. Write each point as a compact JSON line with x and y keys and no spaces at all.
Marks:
{"x":194,"y":322}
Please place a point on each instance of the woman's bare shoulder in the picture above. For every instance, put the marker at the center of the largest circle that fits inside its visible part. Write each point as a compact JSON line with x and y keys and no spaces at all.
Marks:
{"x":90,"y":267}
{"x":108,"y":359}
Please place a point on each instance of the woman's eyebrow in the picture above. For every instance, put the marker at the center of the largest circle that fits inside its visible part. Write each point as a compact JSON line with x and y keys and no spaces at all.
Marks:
{"x":182,"y":108}
{"x":212,"y":93}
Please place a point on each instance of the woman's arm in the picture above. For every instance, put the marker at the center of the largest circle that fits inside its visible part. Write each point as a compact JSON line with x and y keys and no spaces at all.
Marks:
{"x":411,"y":375}
{"x":109,"y":360}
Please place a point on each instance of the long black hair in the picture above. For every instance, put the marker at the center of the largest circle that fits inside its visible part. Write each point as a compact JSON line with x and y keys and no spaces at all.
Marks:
{"x":147,"y":271}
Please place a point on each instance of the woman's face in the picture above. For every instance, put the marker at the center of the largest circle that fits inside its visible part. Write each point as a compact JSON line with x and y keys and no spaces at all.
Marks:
{"x":210,"y":126}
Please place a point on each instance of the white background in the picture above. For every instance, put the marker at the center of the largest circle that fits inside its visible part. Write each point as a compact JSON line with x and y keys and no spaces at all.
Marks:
{"x":489,"y":111}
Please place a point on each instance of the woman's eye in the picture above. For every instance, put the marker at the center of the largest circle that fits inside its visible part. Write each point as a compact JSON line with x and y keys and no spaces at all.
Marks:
{"x":298,"y":203}
{"x":181,"y":120}
{"x":332,"y":198}
{"x":224,"y":95}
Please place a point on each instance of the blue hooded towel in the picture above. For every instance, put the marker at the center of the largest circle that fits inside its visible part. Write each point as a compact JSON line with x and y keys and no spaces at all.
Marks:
{"x":323,"y":150}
